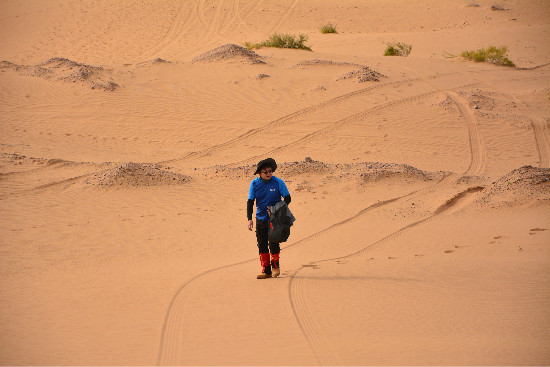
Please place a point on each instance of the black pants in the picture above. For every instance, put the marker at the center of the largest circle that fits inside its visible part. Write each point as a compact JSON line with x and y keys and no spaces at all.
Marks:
{"x":262,"y":228}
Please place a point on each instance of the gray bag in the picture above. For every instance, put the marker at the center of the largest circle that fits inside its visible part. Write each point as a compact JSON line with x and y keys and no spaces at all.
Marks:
{"x":280,"y":221}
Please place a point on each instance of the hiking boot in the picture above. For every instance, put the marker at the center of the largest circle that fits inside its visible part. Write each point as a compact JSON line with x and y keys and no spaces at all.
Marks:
{"x":266,"y":267}
{"x":276,"y":270}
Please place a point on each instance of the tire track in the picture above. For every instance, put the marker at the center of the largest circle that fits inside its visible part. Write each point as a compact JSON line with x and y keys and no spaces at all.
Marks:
{"x":444,"y":208}
{"x":224,"y":20}
{"x":180,"y":25}
{"x":284,"y":120}
{"x":171,"y":342}
{"x":444,"y":182}
{"x":284,"y":17}
{"x":218,"y":25}
{"x":242,"y":20}
{"x":253,"y":133}
{"x":236,"y":20}
{"x":228,"y":22}
{"x":542,"y":138}
{"x":171,"y":336}
{"x":210,"y":23}
{"x":170,"y":345}
{"x":65,"y":182}
{"x":477,"y":150}
{"x":297,"y":284}
{"x":190,"y":14}
{"x":171,"y":329}
{"x":540,"y":128}
{"x":297,"y":281}
{"x":323,"y":133}
{"x":199,"y":6}
{"x":207,"y":23}
{"x":173,"y":326}
{"x":317,"y":341}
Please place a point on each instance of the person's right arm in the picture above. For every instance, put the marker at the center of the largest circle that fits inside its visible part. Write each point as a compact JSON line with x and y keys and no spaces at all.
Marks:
{"x":249,"y":209}
{"x":250,"y":205}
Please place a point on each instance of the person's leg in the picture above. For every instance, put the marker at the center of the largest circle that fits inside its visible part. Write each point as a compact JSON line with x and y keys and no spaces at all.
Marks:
{"x":261,"y":235}
{"x":275,"y":250}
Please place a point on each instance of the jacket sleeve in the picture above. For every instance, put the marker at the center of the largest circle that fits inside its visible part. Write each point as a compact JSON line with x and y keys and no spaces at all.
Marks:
{"x":249,"y":208}
{"x":287,"y":199}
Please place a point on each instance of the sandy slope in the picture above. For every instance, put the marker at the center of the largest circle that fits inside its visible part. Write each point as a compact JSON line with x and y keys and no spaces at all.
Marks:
{"x":128,"y":142}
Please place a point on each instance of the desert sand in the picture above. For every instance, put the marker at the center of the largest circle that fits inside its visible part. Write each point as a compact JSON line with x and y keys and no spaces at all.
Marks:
{"x":129,"y":134}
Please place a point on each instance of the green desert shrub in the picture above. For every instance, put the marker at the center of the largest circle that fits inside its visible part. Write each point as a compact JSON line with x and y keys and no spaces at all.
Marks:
{"x":329,"y":28}
{"x":398,"y":49}
{"x":282,"y":41}
{"x":491,"y":54}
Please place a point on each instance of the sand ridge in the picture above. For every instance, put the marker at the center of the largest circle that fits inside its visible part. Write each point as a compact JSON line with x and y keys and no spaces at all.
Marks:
{"x":137,"y":174}
{"x":230,"y":52}
{"x":519,"y":186}
{"x":58,"y":68}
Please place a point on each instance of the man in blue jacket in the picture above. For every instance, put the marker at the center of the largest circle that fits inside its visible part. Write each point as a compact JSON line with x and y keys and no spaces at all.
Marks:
{"x":266,"y":190}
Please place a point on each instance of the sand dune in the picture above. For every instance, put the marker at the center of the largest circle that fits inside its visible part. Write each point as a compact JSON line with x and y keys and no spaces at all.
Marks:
{"x":137,"y":174}
{"x":130,"y":132}
{"x":230,"y":52}
{"x":67,"y":70}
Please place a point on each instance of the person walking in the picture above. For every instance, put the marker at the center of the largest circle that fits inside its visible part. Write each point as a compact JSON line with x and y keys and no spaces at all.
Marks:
{"x":266,"y":190}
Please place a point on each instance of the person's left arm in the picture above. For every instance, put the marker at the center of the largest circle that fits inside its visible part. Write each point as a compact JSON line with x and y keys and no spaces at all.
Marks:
{"x":287,"y":199}
{"x":284,"y":192}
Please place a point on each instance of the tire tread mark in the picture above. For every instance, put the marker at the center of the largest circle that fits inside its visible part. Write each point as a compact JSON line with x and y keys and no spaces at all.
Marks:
{"x":540,"y":129}
{"x":301,"y":311}
{"x":213,"y":24}
{"x":316,"y":339}
{"x":229,"y":21}
{"x":242,"y":20}
{"x":282,"y":121}
{"x":173,"y":326}
{"x":542,"y":137}
{"x":324,"y":132}
{"x":170,"y":343}
{"x":180,"y":23}
{"x":284,"y":17}
{"x":67,"y":181}
{"x":477,"y":149}
{"x":294,"y":290}
{"x":279,"y":122}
